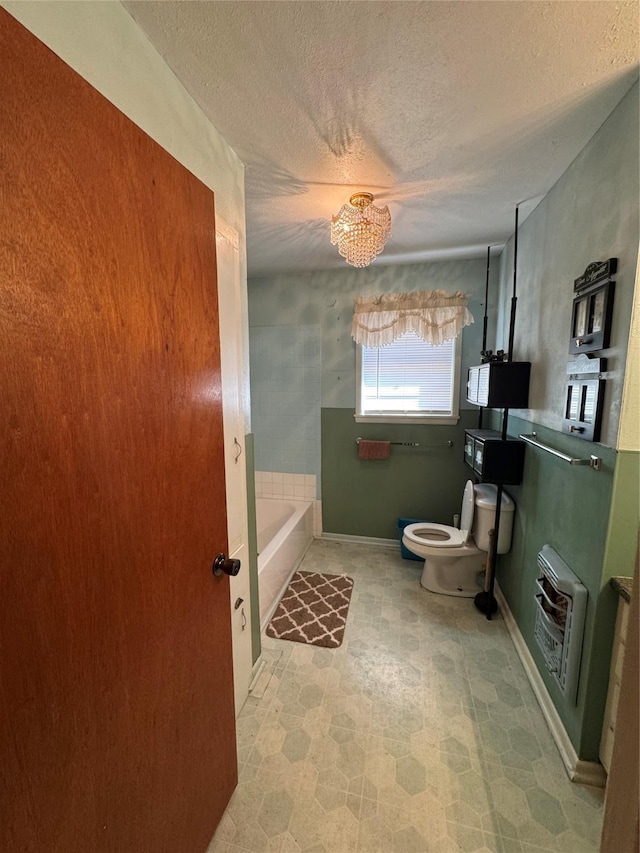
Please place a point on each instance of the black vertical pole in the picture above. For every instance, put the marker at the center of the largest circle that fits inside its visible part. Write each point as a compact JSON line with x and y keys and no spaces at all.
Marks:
{"x":485,"y":601}
{"x":484,"y":320}
{"x":486,"y":301}
{"x":514,"y":298}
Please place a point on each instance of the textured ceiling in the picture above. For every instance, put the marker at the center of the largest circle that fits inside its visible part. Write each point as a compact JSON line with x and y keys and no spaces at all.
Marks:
{"x":449,"y":112}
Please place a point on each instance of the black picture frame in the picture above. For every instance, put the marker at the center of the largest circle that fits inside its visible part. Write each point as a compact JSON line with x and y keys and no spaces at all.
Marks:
{"x":583,"y":405}
{"x":591,"y":318}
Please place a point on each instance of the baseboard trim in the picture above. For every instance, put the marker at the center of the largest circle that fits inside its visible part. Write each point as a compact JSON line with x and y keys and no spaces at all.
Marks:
{"x":578,"y":770}
{"x":256,"y":672}
{"x":360,"y":540}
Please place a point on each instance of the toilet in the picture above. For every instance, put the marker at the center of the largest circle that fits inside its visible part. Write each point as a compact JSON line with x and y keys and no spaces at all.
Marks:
{"x":453,"y":557}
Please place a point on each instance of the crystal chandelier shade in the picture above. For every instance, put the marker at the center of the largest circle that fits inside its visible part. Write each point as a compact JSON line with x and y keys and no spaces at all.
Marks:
{"x":360,"y":230}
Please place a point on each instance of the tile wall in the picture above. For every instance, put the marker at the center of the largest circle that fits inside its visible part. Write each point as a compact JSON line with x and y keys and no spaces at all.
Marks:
{"x":280,"y":485}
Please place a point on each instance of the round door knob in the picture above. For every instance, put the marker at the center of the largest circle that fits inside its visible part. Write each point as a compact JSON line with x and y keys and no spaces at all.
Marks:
{"x":224,"y":565}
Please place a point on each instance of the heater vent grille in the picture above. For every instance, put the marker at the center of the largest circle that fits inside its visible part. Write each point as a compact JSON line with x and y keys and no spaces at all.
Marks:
{"x":561,"y":601}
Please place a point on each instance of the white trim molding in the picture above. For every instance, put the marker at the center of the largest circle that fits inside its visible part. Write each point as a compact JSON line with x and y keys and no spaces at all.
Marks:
{"x":578,"y":770}
{"x":360,"y":540}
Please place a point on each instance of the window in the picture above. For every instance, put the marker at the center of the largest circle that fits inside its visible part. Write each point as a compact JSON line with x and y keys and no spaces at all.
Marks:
{"x":408,"y":380}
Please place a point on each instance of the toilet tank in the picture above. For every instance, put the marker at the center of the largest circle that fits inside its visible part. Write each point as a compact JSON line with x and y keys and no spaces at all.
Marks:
{"x":485,"y":514}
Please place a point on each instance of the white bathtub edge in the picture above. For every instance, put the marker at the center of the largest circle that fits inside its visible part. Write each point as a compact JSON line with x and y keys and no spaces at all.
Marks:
{"x":276,"y":601}
{"x":282,"y":556}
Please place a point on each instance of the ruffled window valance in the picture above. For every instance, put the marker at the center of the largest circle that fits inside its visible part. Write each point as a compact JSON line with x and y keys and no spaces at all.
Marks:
{"x":434,"y":315}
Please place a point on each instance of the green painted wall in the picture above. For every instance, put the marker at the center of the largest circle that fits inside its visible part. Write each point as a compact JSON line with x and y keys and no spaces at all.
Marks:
{"x":567,"y":507}
{"x":591,"y":213}
{"x":324,"y":300}
{"x":366,"y":498}
{"x":589,"y":517}
{"x":625,"y":513}
{"x":619,"y":559}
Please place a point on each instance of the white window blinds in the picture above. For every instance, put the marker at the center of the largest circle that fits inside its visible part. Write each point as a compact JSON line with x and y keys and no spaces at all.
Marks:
{"x":408,"y":377}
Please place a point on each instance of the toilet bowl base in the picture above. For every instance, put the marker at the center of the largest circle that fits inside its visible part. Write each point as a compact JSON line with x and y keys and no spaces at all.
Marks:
{"x":462,"y":578}
{"x":460,"y":591}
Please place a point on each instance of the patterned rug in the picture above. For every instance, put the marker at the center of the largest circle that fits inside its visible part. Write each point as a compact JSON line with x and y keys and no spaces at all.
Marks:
{"x":313,"y":610}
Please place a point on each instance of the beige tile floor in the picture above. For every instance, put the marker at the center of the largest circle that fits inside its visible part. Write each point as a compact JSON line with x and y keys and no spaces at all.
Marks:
{"x":420,"y":734}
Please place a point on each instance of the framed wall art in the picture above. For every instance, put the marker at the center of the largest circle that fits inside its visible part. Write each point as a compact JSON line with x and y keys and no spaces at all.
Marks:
{"x":593,"y":308}
{"x":584,"y":397}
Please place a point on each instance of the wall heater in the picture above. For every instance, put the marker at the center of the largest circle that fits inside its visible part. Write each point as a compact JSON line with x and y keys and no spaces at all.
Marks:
{"x":561,"y":603}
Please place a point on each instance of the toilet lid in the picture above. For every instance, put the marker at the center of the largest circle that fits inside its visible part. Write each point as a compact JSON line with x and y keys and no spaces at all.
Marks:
{"x":466,"y":513}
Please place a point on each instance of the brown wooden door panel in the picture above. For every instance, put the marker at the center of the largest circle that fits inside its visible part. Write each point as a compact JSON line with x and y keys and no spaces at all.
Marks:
{"x":116,"y":699}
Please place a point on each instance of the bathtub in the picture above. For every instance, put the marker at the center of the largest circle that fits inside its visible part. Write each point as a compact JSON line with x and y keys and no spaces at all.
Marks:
{"x":285,"y":531}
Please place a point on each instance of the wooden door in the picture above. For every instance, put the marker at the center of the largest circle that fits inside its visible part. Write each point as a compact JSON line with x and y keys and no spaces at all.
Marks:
{"x":116,"y":692}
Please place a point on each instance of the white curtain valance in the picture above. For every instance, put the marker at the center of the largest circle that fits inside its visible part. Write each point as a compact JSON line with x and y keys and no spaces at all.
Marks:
{"x":434,"y":315}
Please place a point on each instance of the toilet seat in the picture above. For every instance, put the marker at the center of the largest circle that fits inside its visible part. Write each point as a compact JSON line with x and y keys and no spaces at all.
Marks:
{"x":434,"y":535}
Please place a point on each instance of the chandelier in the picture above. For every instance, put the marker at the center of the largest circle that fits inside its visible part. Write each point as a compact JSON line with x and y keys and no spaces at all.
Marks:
{"x":360,"y":230}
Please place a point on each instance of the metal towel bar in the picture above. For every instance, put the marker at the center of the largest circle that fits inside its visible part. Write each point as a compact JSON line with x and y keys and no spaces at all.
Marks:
{"x":409,"y":443}
{"x":531,"y":438}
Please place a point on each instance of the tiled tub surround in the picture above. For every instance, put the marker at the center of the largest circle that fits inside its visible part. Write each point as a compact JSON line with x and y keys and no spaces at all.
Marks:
{"x":274,"y":484}
{"x":282,"y":486}
{"x":284,"y":532}
{"x":420,"y":734}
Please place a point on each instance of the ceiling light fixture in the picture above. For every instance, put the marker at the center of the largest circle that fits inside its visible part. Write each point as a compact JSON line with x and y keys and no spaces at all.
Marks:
{"x":360,"y":230}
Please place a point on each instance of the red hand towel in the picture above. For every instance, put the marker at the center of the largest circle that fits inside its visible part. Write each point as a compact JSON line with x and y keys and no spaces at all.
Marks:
{"x":373,"y":449}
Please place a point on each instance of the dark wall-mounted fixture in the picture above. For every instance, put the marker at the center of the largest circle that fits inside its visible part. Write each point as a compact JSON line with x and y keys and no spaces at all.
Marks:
{"x":499,"y":384}
{"x":593,"y":307}
{"x":584,"y":397}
